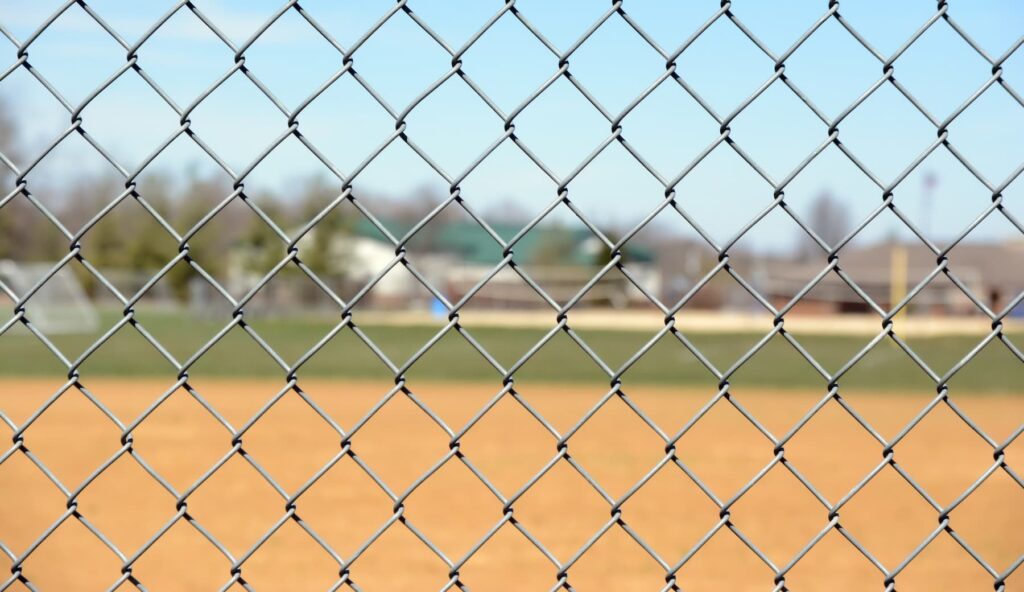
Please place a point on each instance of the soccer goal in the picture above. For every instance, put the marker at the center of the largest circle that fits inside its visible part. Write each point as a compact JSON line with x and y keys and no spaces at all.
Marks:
{"x":60,"y":306}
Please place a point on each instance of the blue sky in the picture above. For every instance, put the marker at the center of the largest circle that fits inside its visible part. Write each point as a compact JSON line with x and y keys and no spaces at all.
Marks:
{"x":508,"y":63}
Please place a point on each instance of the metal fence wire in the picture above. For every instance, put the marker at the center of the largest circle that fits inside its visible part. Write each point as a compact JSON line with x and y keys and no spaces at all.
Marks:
{"x":292,"y":256}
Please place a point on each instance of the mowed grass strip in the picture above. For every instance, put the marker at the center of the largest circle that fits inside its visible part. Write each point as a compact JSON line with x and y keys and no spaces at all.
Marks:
{"x":776,"y":365}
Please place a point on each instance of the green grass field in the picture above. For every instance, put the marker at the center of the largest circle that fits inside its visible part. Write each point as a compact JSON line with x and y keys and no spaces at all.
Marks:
{"x":777,"y":365}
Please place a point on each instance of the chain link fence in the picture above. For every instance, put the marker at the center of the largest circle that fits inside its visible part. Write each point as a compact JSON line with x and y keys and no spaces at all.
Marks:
{"x":293,"y":255}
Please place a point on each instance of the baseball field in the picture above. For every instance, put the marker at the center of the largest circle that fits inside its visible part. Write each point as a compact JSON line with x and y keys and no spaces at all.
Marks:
{"x":400,"y":436}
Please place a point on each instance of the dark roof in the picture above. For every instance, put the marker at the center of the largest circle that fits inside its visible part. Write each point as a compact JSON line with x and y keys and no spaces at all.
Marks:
{"x":995,"y":265}
{"x":998,"y":266}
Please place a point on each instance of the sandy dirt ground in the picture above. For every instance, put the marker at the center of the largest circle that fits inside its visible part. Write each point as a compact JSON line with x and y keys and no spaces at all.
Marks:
{"x":181,"y":440}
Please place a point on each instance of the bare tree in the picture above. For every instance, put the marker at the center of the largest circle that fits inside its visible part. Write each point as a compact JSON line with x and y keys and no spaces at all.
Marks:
{"x":13,"y":233}
{"x":828,"y":219}
{"x":508,"y":209}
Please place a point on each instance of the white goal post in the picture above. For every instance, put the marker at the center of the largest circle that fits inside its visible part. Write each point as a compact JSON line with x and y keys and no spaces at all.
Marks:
{"x":60,"y":306}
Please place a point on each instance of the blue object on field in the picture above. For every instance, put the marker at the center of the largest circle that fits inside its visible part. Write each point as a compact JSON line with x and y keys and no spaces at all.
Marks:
{"x":438,"y":309}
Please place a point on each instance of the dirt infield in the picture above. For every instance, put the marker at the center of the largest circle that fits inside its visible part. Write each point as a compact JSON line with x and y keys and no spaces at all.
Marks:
{"x":181,"y":440}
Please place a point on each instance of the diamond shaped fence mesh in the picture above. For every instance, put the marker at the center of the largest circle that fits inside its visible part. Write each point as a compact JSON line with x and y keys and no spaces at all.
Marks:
{"x":65,"y":500}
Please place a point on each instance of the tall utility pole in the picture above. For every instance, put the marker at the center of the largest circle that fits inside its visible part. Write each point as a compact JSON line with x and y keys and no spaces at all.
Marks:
{"x":897,"y":277}
{"x":928,"y":184}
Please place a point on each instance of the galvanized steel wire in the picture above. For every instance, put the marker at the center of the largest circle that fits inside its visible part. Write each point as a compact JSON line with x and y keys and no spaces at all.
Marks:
{"x":291,"y":255}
